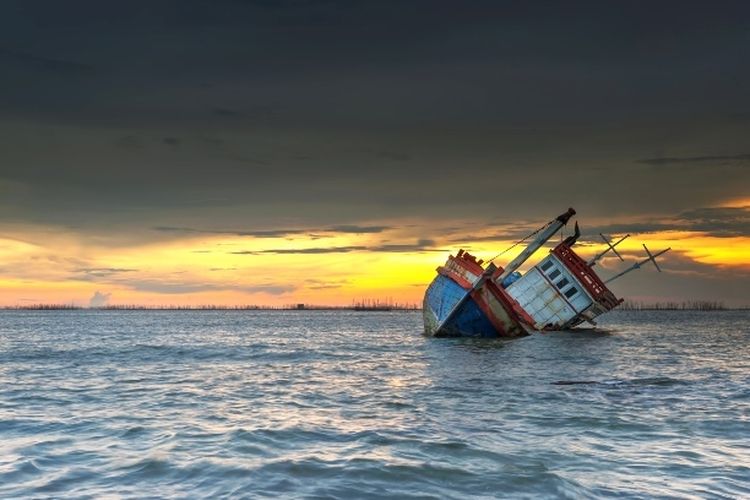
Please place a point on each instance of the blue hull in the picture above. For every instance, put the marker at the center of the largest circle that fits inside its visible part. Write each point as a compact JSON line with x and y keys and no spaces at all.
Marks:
{"x":468,"y":321}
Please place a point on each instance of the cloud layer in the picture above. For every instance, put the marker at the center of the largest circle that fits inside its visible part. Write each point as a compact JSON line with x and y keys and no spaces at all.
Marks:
{"x":380,"y":131}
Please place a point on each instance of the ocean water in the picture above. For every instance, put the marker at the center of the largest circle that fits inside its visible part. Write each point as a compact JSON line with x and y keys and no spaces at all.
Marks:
{"x":304,"y":404}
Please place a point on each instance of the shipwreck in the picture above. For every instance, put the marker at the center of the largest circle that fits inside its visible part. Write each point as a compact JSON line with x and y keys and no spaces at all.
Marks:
{"x":470,"y":298}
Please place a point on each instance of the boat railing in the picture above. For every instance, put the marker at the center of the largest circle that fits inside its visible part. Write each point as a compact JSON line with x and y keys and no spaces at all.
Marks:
{"x":586,"y":276}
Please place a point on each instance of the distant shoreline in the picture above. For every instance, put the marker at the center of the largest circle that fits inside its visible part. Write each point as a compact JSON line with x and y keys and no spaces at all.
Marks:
{"x":360,"y":305}
{"x":688,"y":305}
{"x":62,"y":307}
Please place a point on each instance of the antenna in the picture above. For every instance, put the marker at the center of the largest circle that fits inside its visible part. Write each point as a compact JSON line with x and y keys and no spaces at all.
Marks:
{"x":610,"y":246}
{"x":651,"y":257}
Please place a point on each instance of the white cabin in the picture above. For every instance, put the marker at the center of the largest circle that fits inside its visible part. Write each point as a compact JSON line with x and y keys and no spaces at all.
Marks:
{"x":550,"y":294}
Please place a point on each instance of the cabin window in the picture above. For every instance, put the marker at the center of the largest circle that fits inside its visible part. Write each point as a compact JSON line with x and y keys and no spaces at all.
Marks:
{"x":554,"y":274}
{"x":562,"y":283}
{"x":546,"y":265}
{"x":572,"y":291}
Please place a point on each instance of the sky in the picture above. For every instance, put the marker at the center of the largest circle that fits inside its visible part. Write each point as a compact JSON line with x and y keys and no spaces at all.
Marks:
{"x":279,"y":152}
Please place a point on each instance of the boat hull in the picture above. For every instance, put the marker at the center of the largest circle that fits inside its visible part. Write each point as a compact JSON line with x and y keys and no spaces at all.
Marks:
{"x":458,"y":309}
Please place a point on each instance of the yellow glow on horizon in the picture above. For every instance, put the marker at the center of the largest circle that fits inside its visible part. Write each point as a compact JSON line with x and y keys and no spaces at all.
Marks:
{"x":49,"y":267}
{"x":698,"y":246}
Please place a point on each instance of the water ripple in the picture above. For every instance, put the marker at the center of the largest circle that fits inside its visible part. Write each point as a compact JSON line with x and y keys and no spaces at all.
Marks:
{"x":244,"y":404}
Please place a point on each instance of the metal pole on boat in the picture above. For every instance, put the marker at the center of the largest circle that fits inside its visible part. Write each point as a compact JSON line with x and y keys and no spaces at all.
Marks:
{"x":537,"y":243}
{"x":611,"y":246}
{"x":651,"y":257}
{"x":540,"y":240}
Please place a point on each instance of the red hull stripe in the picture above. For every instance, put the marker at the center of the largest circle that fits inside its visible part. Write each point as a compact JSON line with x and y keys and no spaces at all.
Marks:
{"x":507,"y":316}
{"x":508,"y":326}
{"x":586,"y":276}
{"x":510,"y":304}
{"x":499,"y":325}
{"x":467,"y":263}
{"x":455,"y":277}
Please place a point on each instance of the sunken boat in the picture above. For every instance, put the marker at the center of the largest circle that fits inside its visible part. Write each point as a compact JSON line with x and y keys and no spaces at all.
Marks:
{"x":470,"y":298}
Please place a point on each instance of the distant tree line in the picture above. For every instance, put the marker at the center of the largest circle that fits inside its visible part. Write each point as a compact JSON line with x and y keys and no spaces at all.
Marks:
{"x":359,"y":305}
{"x":382,"y":305}
{"x":44,"y":307}
{"x":689,"y":305}
{"x":134,"y":307}
{"x":366,"y":305}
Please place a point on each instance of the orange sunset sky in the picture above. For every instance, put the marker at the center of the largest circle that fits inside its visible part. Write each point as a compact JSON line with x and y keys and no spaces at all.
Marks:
{"x":274,"y":153}
{"x":50,"y":265}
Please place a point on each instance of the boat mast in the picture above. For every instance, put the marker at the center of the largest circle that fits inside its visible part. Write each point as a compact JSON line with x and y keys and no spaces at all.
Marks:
{"x":537,"y":243}
{"x":611,"y":246}
{"x":543,"y":236}
{"x":638,"y":264}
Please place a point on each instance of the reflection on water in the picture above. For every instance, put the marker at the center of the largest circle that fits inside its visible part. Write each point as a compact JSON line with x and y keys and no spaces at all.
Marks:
{"x":345,"y":404}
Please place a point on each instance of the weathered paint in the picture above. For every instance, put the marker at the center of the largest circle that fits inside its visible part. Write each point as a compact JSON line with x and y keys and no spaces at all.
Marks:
{"x":561,"y":291}
{"x":586,"y":276}
{"x":541,"y":293}
{"x":487,"y":312}
{"x":468,"y":300}
{"x":500,"y":310}
{"x":439,"y":300}
{"x":469,"y":321}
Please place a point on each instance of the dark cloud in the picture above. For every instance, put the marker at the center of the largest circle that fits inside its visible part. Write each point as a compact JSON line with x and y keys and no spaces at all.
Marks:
{"x":714,"y":221}
{"x":213,"y":115}
{"x":108,"y":270}
{"x":681,"y":160}
{"x":316,"y":284}
{"x":271,"y":233}
{"x":718,"y":221}
{"x":167,"y":287}
{"x":15,"y":60}
{"x":324,"y":287}
{"x":278,"y":233}
{"x":513,"y":232}
{"x":354,"y":229}
{"x":638,"y":227}
{"x":392,"y":156}
{"x":310,"y":251}
{"x":422,"y":245}
{"x":96,"y":273}
{"x":129,"y":142}
{"x":227,"y":112}
{"x":681,"y":279}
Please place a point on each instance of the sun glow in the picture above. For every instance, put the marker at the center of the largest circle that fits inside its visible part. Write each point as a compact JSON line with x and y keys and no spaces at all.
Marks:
{"x":45,"y":266}
{"x":736,"y":203}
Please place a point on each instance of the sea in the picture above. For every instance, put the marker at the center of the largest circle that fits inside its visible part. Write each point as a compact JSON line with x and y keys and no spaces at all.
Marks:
{"x":349,"y":405}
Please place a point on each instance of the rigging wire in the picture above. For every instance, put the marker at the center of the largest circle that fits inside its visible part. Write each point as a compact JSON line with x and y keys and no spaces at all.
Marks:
{"x":521,"y":241}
